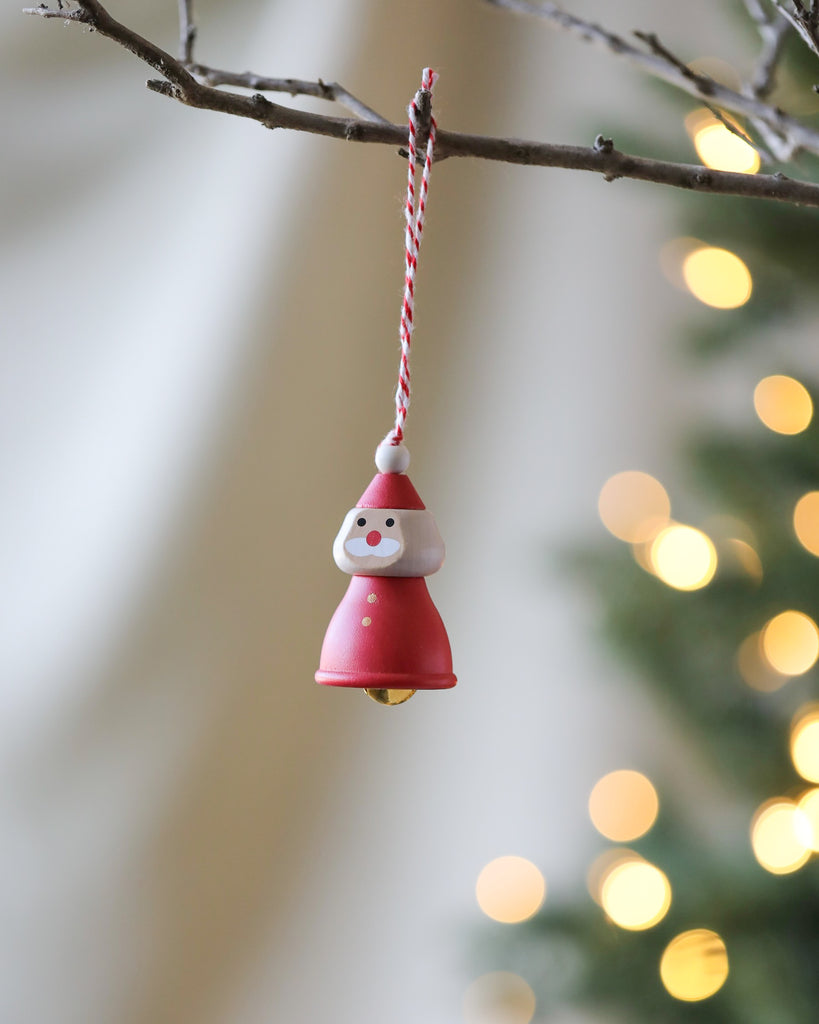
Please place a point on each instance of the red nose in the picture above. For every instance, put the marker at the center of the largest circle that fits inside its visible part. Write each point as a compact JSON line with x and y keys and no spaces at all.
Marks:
{"x":373,"y":538}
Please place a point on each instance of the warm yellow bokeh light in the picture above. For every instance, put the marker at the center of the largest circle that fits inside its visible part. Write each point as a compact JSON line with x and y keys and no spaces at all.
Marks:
{"x":683,"y":557}
{"x":718,"y":147}
{"x":499,"y":997}
{"x":790,"y":642}
{"x":717,"y":277}
{"x":640,"y":553}
{"x":808,"y":804}
{"x":672,"y":255}
{"x":806,"y":521}
{"x":694,"y":965}
{"x":781,"y":836}
{"x":783,"y":404}
{"x":602,"y":866}
{"x":805,"y":742}
{"x":510,"y":889}
{"x":636,"y":895}
{"x":632,"y":505}
{"x":755,"y":668}
{"x":623,"y":805}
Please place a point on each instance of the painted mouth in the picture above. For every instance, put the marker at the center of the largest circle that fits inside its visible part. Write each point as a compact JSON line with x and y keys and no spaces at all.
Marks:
{"x":358,"y":547}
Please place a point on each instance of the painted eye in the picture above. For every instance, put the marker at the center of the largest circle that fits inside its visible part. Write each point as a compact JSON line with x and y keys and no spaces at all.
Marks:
{"x":390,"y":522}
{"x":362,"y":521}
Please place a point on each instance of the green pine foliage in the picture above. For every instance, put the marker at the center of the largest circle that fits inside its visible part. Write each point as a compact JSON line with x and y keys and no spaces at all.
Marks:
{"x":683,"y":645}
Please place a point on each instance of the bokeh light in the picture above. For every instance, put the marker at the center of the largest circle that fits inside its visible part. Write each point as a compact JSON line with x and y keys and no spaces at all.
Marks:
{"x":694,"y":965}
{"x":717,"y":277}
{"x":602,"y":866}
{"x":499,"y":997}
{"x":632,"y":505}
{"x":642,"y":552}
{"x":808,"y":804}
{"x":805,"y":742}
{"x":718,"y":147}
{"x":636,"y":894}
{"x":746,"y":558}
{"x":510,"y":889}
{"x":672,"y":255}
{"x":783,"y":404}
{"x":683,"y":557}
{"x":806,"y":521}
{"x":790,"y":642}
{"x":755,"y":668}
{"x":623,"y":805}
{"x":781,"y":836}
{"x":718,"y":69}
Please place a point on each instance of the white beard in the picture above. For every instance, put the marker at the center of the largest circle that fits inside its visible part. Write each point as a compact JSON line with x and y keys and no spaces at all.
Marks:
{"x":359,"y":548}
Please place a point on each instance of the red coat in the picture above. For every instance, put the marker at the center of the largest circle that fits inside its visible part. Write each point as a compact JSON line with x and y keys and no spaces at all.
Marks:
{"x":386,"y":634}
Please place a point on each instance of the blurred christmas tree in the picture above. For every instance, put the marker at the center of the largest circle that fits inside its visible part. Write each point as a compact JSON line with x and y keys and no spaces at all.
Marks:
{"x":690,"y":923}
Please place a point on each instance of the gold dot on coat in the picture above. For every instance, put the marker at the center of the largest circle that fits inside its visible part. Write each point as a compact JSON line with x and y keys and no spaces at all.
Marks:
{"x":372,"y":598}
{"x":366,"y":620}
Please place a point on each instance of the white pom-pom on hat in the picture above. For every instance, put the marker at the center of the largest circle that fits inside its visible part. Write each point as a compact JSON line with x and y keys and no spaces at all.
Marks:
{"x":392,"y":458}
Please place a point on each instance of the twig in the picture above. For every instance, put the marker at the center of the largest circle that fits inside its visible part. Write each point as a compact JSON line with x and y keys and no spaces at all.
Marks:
{"x":734,"y":129}
{"x":292,"y":86}
{"x":804,"y":19}
{"x":331,"y":91}
{"x":179,"y":84}
{"x":800,"y":136}
{"x":703,"y":84}
{"x":773,"y":30}
{"x":187,"y":31}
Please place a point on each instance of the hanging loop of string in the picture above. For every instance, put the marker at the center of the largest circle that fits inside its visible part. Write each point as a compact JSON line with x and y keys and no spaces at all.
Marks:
{"x":414,"y":214}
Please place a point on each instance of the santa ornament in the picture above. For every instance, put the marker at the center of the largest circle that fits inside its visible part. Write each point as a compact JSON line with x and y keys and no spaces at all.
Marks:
{"x":386,"y":636}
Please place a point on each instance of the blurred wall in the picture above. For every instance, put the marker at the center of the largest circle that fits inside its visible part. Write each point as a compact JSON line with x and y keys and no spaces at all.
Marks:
{"x":199,"y":359}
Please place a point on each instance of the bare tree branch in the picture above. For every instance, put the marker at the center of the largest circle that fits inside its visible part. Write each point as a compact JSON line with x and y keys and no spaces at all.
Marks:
{"x":178,"y":83}
{"x":331,"y":91}
{"x":734,"y":129}
{"x":44,"y":11}
{"x":773,"y":30}
{"x":803,"y":18}
{"x":187,"y":31}
{"x":703,"y":82}
{"x":668,"y":68}
{"x":292,"y":86}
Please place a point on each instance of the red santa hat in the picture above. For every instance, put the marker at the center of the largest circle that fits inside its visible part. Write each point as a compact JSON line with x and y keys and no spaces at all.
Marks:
{"x":391,"y":487}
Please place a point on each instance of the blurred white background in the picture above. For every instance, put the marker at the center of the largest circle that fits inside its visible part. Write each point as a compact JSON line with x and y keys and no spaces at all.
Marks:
{"x":198,"y":358}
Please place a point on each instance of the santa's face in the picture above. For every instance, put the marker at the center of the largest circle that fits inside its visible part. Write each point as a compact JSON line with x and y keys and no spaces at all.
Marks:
{"x":388,"y":542}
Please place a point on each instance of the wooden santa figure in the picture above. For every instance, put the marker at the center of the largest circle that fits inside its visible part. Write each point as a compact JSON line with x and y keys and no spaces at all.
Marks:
{"x":386,"y":636}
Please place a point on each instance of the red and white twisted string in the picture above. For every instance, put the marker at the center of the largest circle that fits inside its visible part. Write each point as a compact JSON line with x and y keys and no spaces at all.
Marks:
{"x":412,"y":244}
